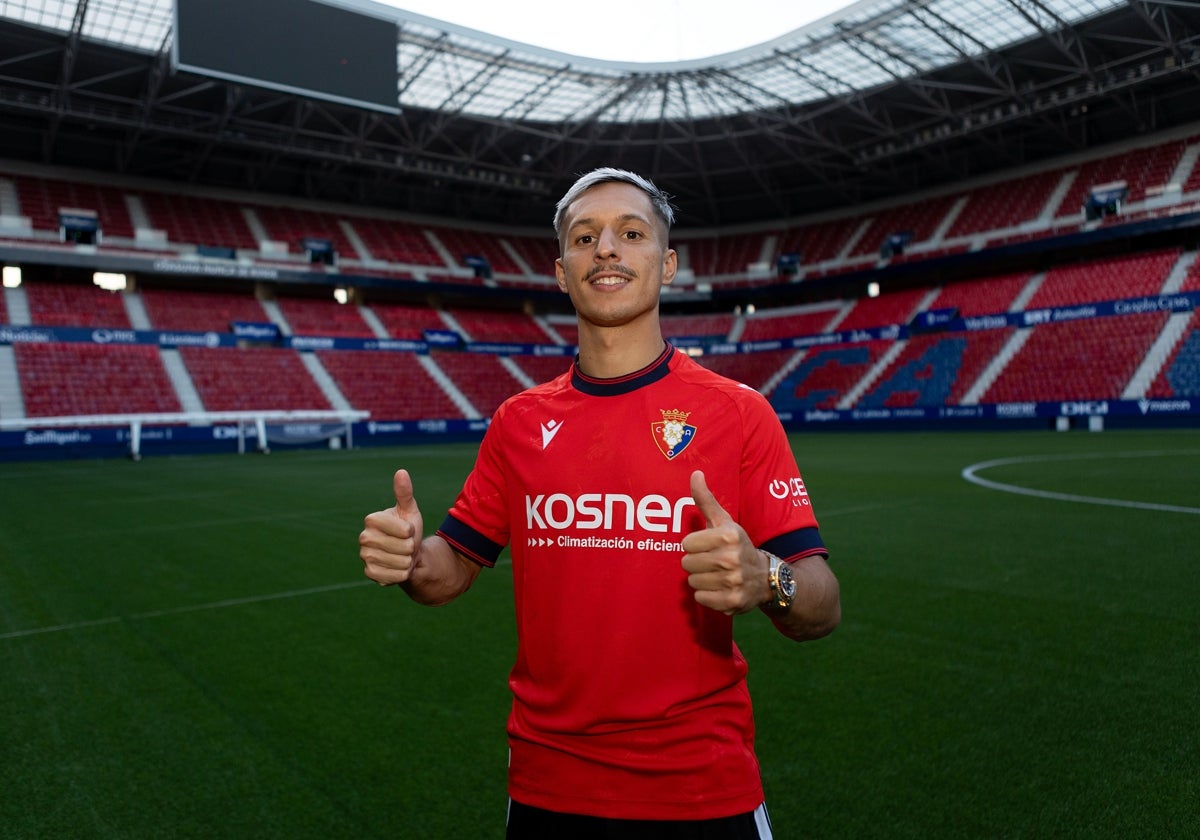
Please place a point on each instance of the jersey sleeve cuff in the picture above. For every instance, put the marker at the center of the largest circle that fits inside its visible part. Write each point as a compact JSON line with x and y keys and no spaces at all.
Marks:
{"x":796,"y":544}
{"x":469,"y":542}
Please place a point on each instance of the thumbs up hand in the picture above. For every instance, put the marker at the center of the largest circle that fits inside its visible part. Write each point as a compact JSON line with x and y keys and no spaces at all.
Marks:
{"x":724,"y":568}
{"x":391,"y":538}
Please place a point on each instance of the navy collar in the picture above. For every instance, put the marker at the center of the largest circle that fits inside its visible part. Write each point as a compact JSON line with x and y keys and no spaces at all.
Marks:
{"x":652,"y":372}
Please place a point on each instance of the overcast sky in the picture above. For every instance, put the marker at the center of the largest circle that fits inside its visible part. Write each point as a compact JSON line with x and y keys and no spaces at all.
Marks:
{"x":640,"y":30}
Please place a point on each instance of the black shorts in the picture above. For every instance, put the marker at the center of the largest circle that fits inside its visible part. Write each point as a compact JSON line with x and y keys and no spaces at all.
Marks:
{"x":529,"y":823}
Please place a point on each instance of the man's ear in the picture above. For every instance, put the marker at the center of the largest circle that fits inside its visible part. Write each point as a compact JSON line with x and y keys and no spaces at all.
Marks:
{"x":560,"y":275}
{"x":670,"y":266}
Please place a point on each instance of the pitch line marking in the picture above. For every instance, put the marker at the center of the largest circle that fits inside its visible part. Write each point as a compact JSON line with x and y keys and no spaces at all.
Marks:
{"x":970,"y":473}
{"x":212,"y":605}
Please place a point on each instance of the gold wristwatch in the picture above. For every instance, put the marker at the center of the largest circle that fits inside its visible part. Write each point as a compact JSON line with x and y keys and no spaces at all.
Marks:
{"x":783,"y":584}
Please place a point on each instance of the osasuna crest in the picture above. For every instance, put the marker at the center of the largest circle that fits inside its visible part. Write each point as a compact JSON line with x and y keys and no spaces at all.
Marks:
{"x":674,"y":433}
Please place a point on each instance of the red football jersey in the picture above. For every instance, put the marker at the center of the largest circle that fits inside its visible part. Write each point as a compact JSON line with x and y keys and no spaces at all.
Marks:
{"x":629,"y":698}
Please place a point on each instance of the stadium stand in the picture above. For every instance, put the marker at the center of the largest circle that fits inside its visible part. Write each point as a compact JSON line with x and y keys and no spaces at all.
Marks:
{"x":322,"y":316}
{"x":1138,"y":169}
{"x":1180,"y":375}
{"x":725,"y":256}
{"x":506,"y":327}
{"x":485,"y":380}
{"x":765,"y":325}
{"x":1077,"y":360}
{"x":819,"y":242}
{"x":542,"y":368}
{"x":888,"y":308}
{"x":1110,"y":279}
{"x":397,"y":242}
{"x":1089,"y":359}
{"x":538,"y":254}
{"x":198,"y":311}
{"x":1004,"y":206}
{"x":292,"y":225}
{"x":59,"y":379}
{"x":392,"y":386}
{"x":461,"y":244}
{"x":251,"y":378}
{"x":920,"y":220}
{"x":41,"y":199}
{"x":408,"y":322}
{"x":194,"y":220}
{"x":697,"y":326}
{"x":75,"y":305}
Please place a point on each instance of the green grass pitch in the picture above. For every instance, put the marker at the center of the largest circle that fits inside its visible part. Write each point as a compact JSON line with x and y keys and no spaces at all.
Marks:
{"x":188,"y":648}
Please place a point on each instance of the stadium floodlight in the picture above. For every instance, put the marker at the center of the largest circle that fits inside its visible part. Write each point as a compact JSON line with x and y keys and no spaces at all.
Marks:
{"x":12,"y":276}
{"x":111,"y":282}
{"x":873,"y":289}
{"x":341,"y":295}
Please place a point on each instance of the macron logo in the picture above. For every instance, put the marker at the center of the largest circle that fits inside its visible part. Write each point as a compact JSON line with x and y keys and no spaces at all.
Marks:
{"x":549,"y":430}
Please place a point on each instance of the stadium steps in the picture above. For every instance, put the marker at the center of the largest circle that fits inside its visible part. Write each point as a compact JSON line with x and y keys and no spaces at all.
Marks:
{"x":1187,"y":162}
{"x":361,"y":251}
{"x":513,"y":368}
{"x":440,"y":248}
{"x":12,"y":404}
{"x":869,"y":379}
{"x":1054,"y":202}
{"x":181,"y":380}
{"x":518,"y":260}
{"x":137,"y":212}
{"x":1173,"y":331}
{"x":1010,"y":349}
{"x":737,"y":329}
{"x":372,"y":321}
{"x":325,"y":382}
{"x":316,"y":370}
{"x":1179,"y":272}
{"x":10,"y":202}
{"x":447,"y":384}
{"x":545,"y":326}
{"x":135,"y":310}
{"x":17,"y":303}
{"x":852,"y":240}
{"x":460,"y":398}
{"x":885,"y":361}
{"x":1157,"y":356}
{"x":943,"y":228}
{"x":992,"y":372}
{"x":257,"y":228}
{"x":784,"y":371}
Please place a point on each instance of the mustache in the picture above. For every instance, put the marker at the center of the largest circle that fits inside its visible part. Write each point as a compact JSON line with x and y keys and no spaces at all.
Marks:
{"x":617,"y":268}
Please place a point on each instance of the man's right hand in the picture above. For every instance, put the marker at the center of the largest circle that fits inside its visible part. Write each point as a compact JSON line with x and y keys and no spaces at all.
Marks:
{"x":389,"y":543}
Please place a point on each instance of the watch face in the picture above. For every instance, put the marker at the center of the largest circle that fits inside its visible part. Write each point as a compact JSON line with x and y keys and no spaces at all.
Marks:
{"x":787,"y":583}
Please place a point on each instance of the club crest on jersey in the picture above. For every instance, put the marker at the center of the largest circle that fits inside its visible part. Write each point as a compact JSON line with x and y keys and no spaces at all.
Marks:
{"x":673,"y":433}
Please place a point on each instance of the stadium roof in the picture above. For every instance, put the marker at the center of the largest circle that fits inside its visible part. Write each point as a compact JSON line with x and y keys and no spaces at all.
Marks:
{"x":882,"y":98}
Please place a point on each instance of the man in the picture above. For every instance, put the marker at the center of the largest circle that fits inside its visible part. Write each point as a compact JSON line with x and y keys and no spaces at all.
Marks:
{"x":647,"y":501}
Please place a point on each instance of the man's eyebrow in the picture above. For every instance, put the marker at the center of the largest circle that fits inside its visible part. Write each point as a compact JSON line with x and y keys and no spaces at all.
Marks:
{"x":624,"y":217}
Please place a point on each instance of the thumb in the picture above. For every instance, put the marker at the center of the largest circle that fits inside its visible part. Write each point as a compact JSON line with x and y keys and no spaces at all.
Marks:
{"x":706,"y":502}
{"x":406,"y":505}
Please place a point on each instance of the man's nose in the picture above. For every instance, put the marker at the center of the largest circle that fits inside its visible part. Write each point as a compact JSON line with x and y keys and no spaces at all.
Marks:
{"x":607,"y":244}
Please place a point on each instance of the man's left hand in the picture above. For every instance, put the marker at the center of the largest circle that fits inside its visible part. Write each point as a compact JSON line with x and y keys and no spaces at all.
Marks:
{"x":724,"y":568}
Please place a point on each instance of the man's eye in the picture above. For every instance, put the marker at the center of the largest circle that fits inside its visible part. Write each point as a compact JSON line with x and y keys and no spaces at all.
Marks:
{"x":633,"y":234}
{"x":586,"y":239}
